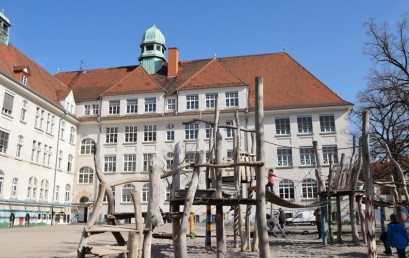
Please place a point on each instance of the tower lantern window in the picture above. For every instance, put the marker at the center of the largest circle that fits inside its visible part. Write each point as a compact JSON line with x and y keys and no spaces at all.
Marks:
{"x":157,"y":47}
{"x":149,"y":47}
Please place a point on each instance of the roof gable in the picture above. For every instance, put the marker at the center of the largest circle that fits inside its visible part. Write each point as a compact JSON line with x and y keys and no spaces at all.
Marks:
{"x":212,"y":75}
{"x":138,"y":81}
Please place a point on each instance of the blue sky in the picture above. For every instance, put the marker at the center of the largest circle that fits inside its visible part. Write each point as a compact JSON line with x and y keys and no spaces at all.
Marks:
{"x":326,"y":37}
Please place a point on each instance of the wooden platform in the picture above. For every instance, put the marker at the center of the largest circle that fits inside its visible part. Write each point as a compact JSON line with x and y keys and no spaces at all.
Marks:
{"x":216,"y":201}
{"x":105,"y":251}
{"x":108,"y":228}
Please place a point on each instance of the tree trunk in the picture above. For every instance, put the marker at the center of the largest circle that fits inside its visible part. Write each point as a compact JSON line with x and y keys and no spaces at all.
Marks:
{"x":220,"y":233}
{"x":177,"y":159}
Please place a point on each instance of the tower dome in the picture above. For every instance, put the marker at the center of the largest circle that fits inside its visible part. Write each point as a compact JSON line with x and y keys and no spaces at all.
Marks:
{"x":152,"y":50}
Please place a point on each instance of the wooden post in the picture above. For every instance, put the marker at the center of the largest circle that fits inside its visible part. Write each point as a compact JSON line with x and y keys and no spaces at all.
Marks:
{"x":177,"y":159}
{"x":254,"y":245}
{"x":135,"y":249}
{"x":237,"y":180}
{"x":190,"y":196}
{"x":329,"y":200}
{"x":260,"y":172}
{"x":339,"y":221}
{"x":352,"y":206}
{"x":153,"y":216}
{"x":220,"y":233}
{"x":320,"y":196}
{"x":362,"y":219}
{"x":369,"y":189}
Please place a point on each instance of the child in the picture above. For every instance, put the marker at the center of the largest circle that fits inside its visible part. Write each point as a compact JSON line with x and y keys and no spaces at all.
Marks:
{"x":397,"y":236}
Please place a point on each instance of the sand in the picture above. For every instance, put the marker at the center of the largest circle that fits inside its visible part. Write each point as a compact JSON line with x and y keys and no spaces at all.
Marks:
{"x":62,"y":241}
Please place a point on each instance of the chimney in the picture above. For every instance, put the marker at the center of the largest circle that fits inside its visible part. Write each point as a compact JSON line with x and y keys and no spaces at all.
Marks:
{"x":173,"y":61}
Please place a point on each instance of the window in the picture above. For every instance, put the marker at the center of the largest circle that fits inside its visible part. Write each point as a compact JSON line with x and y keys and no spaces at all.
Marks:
{"x":150,"y":105}
{"x":211,"y":100}
{"x":67,"y":193}
{"x":190,"y":157}
{"x":4,"y":141}
{"x":1,"y":182}
{"x":286,"y":189}
{"x":192,"y":102}
{"x":285,"y":157}
{"x":171,"y":104}
{"x":87,"y":146}
{"x":18,"y":150}
{"x":167,"y":193}
{"x":24,"y":79}
{"x":169,"y":161}
{"x":43,"y":190}
{"x":14,"y":184}
{"x":191,"y":131}
{"x":106,"y":196}
{"x":57,"y":193}
{"x":149,"y":47}
{"x":145,"y":193}
{"x":111,"y":135}
{"x":147,"y":157}
{"x":69,"y":164}
{"x":132,"y":106}
{"x":329,"y":150}
{"x":327,"y":123}
{"x":23,"y":115}
{"x":208,"y":130}
{"x":283,"y":126}
{"x":232,"y":99}
{"x":129,"y":162}
{"x":309,"y":189}
{"x":307,"y":156}
{"x":229,"y":155}
{"x":86,"y":175}
{"x":304,"y":124}
{"x":32,"y":188}
{"x":126,"y":192}
{"x":149,"y":134}
{"x":229,"y":131}
{"x":110,"y":163}
{"x":114,"y":107}
{"x":72,"y":135}
{"x":130,"y":133}
{"x":39,"y":118}
{"x":170,"y":133}
{"x":8,"y":104}
{"x":91,"y":109}
{"x":50,"y":124}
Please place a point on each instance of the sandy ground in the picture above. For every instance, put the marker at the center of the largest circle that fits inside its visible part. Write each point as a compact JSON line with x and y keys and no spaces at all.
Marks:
{"x":62,"y":241}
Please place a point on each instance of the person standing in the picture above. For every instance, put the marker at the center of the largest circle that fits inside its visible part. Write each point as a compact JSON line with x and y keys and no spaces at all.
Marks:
{"x":397,"y":236}
{"x":12,"y":218}
{"x":271,"y":178}
{"x":281,"y":218}
{"x":27,"y":220}
{"x":317,"y":214}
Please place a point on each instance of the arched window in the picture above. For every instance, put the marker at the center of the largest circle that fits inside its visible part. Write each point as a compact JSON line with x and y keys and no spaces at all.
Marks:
{"x":87,"y":146}
{"x":69,"y":165}
{"x":309,"y":189}
{"x":14,"y":184}
{"x":145,"y":193}
{"x":86,"y":175}
{"x":286,"y":189}
{"x":67,"y":193}
{"x":32,"y":188}
{"x":126,"y":192}
{"x":1,"y":182}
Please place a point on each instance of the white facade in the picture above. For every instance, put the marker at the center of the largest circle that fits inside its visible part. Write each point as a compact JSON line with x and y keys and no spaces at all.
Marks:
{"x":38,"y":142}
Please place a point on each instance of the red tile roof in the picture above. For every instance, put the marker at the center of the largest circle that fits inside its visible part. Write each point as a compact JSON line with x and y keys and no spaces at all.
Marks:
{"x":39,"y":80}
{"x":286,"y":83}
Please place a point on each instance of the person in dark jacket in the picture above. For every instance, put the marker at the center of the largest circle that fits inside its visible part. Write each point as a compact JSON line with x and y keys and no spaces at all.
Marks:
{"x":12,"y":218}
{"x":397,"y":235}
{"x":317,"y":214}
{"x":281,"y":218}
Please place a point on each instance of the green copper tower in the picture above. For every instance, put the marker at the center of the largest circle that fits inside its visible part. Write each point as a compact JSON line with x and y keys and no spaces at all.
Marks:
{"x":4,"y":29}
{"x":152,"y":50}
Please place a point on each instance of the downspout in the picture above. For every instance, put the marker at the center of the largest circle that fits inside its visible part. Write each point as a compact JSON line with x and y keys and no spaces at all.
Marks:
{"x":55,"y":165}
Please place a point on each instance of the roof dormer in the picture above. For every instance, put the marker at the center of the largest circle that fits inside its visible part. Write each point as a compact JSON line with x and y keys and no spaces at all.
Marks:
{"x":22,"y":73}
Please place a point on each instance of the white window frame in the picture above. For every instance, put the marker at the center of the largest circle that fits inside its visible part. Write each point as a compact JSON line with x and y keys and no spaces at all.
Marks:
{"x":211,"y":99}
{"x":129,"y":162}
{"x":114,"y":107}
{"x":191,"y":131}
{"x":307,"y":156}
{"x":132,"y":106}
{"x":150,"y":105}
{"x":286,"y":189}
{"x":309,"y":189}
{"x":284,"y":157}
{"x":327,"y":124}
{"x":111,"y":134}
{"x":109,"y":163}
{"x":192,"y":102}
{"x":149,"y":133}
{"x":232,"y":99}
{"x":171,"y":104}
{"x":304,"y":124}
{"x":86,"y":175}
{"x":131,"y":134}
{"x":283,"y":126}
